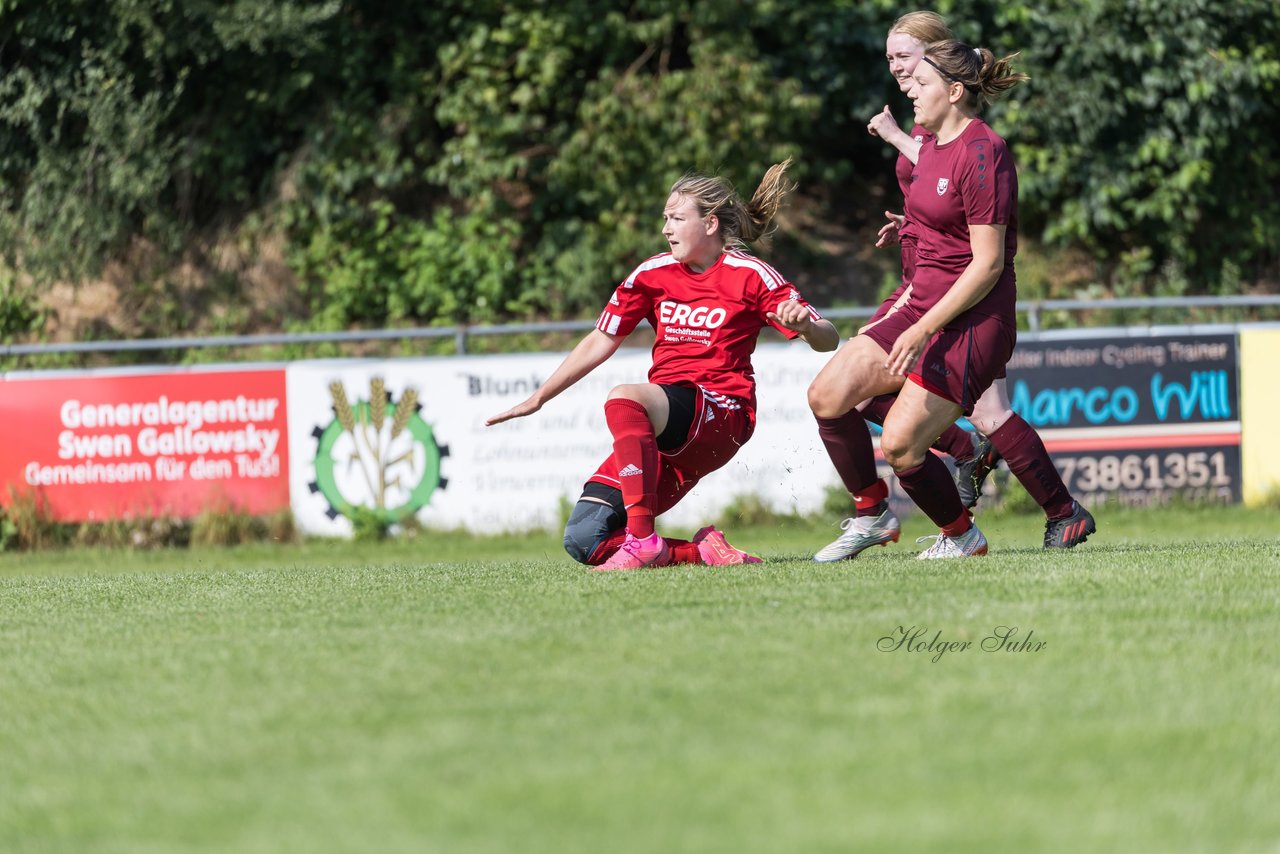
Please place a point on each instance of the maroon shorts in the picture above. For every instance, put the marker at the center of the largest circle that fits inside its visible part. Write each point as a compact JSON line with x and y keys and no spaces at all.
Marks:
{"x":719,"y":427}
{"x":908,"y":258}
{"x":889,"y":302}
{"x":961,"y":360}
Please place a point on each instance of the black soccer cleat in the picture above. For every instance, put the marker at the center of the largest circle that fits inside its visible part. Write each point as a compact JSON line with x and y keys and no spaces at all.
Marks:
{"x":1071,"y":531}
{"x":971,"y":474}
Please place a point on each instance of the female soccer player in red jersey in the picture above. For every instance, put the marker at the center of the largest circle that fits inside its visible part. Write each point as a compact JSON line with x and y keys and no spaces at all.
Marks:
{"x":1004,"y":433}
{"x":707,"y":301}
{"x":953,"y":328}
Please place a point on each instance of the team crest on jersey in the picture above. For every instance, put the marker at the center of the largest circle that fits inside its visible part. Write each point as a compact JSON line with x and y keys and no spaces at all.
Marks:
{"x":942,"y":185}
{"x":919,"y":138}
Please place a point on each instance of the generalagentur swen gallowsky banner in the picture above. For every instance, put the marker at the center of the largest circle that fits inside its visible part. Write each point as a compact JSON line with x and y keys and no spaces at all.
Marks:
{"x":105,"y":445}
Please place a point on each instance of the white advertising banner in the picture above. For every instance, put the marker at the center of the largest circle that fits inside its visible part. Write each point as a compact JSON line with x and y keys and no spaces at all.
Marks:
{"x":407,"y":437}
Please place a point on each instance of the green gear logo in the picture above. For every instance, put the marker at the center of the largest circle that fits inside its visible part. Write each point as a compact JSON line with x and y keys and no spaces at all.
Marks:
{"x":377,"y":454}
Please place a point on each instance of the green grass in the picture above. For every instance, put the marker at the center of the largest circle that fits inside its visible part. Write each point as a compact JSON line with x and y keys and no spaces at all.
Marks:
{"x":452,"y":694}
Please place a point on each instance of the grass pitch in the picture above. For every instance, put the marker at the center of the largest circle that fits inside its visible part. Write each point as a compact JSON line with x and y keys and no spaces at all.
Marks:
{"x":453,"y":694}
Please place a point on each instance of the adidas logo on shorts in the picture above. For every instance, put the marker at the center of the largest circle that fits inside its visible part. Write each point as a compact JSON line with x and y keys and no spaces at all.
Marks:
{"x":631,"y":470}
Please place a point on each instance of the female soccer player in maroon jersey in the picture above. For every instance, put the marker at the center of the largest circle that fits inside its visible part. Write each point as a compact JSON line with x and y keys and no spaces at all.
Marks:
{"x":950,"y":333}
{"x":873,"y":523}
{"x":1004,"y":432}
{"x":707,"y":301}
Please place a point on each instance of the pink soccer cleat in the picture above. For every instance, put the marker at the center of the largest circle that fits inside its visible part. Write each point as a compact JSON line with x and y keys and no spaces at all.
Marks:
{"x":636,"y":554}
{"x":716,"y":551}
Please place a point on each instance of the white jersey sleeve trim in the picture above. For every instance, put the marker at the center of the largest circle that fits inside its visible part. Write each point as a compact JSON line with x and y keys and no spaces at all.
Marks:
{"x":663,"y":260}
{"x":609,"y":322}
{"x":772,"y":278}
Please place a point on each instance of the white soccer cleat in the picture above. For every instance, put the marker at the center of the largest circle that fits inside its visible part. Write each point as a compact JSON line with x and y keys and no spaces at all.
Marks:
{"x":861,"y":533}
{"x":969,"y":544}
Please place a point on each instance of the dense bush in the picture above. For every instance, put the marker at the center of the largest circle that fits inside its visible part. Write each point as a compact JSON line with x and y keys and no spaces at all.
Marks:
{"x":445,"y":161}
{"x":1149,"y":134}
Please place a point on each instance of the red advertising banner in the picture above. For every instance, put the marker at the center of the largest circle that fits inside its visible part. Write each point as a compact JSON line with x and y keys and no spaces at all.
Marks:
{"x":93,"y":447}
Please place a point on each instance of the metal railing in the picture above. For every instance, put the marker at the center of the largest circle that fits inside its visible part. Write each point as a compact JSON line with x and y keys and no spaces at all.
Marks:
{"x":1031,"y":309}
{"x":1034,"y":308}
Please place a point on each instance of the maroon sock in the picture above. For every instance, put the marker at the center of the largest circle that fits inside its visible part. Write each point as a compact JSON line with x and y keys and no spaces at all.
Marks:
{"x":635,"y":447}
{"x":877,"y":409}
{"x":956,"y":443}
{"x":1025,"y":455}
{"x":848,"y":443}
{"x":932,"y":489}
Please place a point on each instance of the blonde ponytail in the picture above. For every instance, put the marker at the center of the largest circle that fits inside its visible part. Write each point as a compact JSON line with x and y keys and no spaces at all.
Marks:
{"x":741,"y":222}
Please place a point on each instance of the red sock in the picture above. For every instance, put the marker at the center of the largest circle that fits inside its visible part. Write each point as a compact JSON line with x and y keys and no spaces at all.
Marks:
{"x":869,"y":500}
{"x":962,"y":523}
{"x":607,"y":547}
{"x":683,"y":551}
{"x":635,"y":447}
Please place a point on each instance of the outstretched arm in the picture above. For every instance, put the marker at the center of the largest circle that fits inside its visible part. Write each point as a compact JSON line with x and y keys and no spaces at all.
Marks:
{"x":818,"y":334}
{"x":590,"y":353}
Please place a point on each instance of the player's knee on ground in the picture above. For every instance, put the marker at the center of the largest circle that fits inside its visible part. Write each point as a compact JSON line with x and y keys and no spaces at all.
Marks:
{"x":590,"y":524}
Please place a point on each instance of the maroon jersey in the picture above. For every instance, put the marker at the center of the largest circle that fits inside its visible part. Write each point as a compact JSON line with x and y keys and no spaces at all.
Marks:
{"x":902,"y":169}
{"x":706,"y":323}
{"x":969,"y":180}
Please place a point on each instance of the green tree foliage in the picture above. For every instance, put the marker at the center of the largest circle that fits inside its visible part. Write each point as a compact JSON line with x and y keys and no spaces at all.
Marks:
{"x":143,"y":118}
{"x":1149,"y":131}
{"x":557,"y":132}
{"x":451,"y":161}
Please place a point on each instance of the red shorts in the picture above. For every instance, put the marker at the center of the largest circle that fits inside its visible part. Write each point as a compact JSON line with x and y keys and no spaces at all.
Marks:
{"x":719,"y":427}
{"x":961,"y":360}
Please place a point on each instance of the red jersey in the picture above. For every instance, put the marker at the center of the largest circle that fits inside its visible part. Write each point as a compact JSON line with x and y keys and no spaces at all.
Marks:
{"x":707,"y":323}
{"x":969,"y":180}
{"x":902,"y":169}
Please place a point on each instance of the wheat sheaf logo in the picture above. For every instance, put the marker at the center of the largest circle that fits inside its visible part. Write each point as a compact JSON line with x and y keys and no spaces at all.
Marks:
{"x":377,"y":454}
